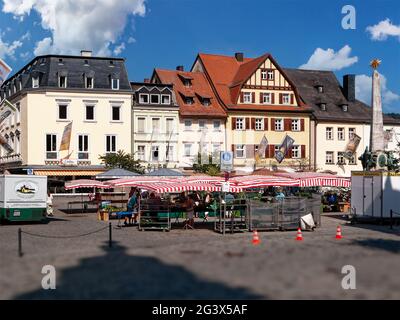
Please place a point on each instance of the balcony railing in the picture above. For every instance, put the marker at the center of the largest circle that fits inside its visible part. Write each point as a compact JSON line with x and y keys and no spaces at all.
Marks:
{"x":11,"y":158}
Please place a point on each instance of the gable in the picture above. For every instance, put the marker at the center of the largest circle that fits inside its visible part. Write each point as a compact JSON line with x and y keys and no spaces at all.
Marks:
{"x":279,"y":80}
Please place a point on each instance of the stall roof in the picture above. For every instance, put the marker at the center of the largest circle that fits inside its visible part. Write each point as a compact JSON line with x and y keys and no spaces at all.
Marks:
{"x":117,"y":173}
{"x":165,"y":172}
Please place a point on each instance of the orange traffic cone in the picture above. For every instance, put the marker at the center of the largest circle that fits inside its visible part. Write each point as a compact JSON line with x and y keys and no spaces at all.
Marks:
{"x":339,"y":233}
{"x":256,"y":239}
{"x":299,"y":235}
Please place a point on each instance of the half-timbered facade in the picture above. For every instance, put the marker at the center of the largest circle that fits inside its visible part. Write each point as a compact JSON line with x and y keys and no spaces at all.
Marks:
{"x":260,"y":101}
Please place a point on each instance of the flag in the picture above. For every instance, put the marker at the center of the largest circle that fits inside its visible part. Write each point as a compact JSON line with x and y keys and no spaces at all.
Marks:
{"x":352,"y":146}
{"x":66,"y":137}
{"x":262,"y":147}
{"x":5,"y":145}
{"x":285,"y":146}
{"x":5,"y":70}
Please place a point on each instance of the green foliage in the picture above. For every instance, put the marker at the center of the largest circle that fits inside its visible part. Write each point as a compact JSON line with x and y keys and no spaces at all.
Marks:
{"x":211,"y":169}
{"x":122,"y":160}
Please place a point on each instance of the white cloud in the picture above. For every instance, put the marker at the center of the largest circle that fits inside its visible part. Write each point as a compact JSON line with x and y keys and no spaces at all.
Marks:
{"x":78,"y":24}
{"x":43,"y":47}
{"x":131,"y":40}
{"x":383,"y":30}
{"x":330,"y":60}
{"x":8,"y":49}
{"x":25,"y":55}
{"x":364,"y":86}
{"x":119,"y":49}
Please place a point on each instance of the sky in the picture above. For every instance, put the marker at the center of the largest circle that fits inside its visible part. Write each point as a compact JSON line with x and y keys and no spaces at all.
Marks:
{"x":165,"y":33}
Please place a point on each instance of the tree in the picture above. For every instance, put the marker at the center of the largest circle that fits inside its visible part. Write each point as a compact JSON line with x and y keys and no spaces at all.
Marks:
{"x":211,"y":168}
{"x":122,"y":160}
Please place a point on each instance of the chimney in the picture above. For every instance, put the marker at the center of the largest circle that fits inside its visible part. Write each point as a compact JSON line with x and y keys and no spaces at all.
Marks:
{"x":86,"y":53}
{"x":146,"y":80}
{"x":349,"y":87}
{"x":180,"y":68}
{"x":239,"y":56}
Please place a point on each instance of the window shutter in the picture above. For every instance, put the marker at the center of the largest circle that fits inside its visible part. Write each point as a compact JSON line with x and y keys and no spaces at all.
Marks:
{"x":253,"y":123}
{"x":253,"y":97}
{"x":280,"y":99}
{"x":273,"y":97}
{"x":261,"y":97}
{"x":292,"y":98}
{"x":272,"y":124}
{"x":288,"y":124}
{"x":265,"y":124}
{"x":289,"y":153}
{"x":233,"y":149}
{"x":267,"y":154}
{"x":249,"y":151}
{"x":301,"y":124}
{"x":233,"y":123}
{"x":247,"y":120}
{"x":271,"y":151}
{"x":241,"y":97}
{"x":303,"y":151}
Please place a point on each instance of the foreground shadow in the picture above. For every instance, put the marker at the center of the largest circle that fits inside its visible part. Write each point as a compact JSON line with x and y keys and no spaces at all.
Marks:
{"x":392,"y":246}
{"x":117,"y":275}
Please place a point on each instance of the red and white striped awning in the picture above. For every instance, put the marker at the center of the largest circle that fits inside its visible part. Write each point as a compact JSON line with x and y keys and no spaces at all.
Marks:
{"x":315,"y":179}
{"x":263,"y":181}
{"x":181,"y":187}
{"x":85,"y":183}
{"x":135,"y":181}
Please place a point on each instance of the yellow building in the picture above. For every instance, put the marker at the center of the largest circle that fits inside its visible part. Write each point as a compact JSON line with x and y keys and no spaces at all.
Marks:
{"x":260,"y":101}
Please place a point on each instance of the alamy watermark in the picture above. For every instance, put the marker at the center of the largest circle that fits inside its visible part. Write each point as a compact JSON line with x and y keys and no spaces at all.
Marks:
{"x":349,"y":20}
{"x":49,"y":280}
{"x":349,"y":280}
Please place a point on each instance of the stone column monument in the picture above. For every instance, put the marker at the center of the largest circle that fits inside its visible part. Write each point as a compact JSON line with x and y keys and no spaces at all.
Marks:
{"x":377,"y":142}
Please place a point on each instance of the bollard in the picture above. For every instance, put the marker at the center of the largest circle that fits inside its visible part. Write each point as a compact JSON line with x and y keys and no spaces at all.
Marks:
{"x":109,"y":235}
{"x":20,"y":242}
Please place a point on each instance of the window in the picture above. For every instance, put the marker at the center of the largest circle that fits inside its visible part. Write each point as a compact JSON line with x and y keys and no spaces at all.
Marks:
{"x":352,"y":132}
{"x":340,"y":133}
{"x":155,"y":153}
{"x":340,"y":158}
{"x":170,"y":153}
{"x":170,"y":125}
{"x":143,"y":98}
{"x":278,"y":124}
{"x":141,"y":124}
{"x":18,"y":112}
{"x":89,"y":83}
{"x":187,"y":83}
{"x":165,"y":99}
{"x":329,"y":133}
{"x":189,"y":100}
{"x":259,"y":124}
{"x":83,"y":146}
{"x":329,"y":157}
{"x":51,"y":146}
{"x":296,"y":152}
{"x":217,"y":125}
{"x":155,"y":99}
{"x":286,"y":98}
{"x":206,"y":102}
{"x":239,"y":151}
{"x":115,"y":84}
{"x":187,"y":149}
{"x":188,"y":125}
{"x":35,"y":82}
{"x":270,"y":74}
{"x":353,"y":159}
{"x":266,"y":98}
{"x":202,"y":125}
{"x":323,"y":106}
{"x":263,"y":74}
{"x":320,"y":89}
{"x":141,"y":153}
{"x":111,"y":144}
{"x":295,"y":124}
{"x":89,"y":113}
{"x":247,"y":97}
{"x":345,"y":107}
{"x":62,"y":112}
{"x":116,"y":113}
{"x":62,"y":81}
{"x":155,"y":123}
{"x":239,"y":124}
{"x":216,"y":148}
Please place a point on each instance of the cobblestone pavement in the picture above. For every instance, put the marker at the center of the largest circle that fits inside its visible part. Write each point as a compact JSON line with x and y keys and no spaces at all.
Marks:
{"x":198,"y":264}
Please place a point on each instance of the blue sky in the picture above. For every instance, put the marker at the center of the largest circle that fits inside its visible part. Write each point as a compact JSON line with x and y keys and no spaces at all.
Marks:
{"x":167,"y":33}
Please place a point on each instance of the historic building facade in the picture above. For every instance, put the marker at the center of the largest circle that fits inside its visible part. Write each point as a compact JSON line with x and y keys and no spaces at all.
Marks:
{"x":260,"y":100}
{"x":155,"y":125}
{"x":90,"y":97}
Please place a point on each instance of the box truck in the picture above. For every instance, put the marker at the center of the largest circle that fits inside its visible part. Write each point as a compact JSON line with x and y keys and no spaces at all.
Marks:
{"x":23,"y":197}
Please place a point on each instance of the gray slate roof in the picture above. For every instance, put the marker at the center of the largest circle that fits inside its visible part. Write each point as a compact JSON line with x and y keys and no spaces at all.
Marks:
{"x":306,"y":81}
{"x":164,"y":172}
{"x":117,"y":173}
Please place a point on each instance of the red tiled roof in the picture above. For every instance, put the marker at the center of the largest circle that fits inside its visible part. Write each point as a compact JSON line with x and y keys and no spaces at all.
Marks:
{"x":200,"y":88}
{"x":228,"y":76}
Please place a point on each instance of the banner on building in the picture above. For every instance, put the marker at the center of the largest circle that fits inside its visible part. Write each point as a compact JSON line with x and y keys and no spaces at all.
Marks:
{"x":352,"y":146}
{"x":5,"y":70}
{"x":66,"y":137}
{"x":285,"y":146}
{"x":5,"y":145}
{"x":262,"y":147}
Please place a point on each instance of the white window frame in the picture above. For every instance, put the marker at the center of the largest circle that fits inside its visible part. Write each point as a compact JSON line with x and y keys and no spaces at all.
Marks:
{"x":116,"y":143}
{"x":216,"y":147}
{"x":270,"y":74}
{"x":86,"y":82}
{"x":188,"y":128}
{"x":332,"y":157}
{"x":154,"y":128}
{"x":247,"y":97}
{"x":141,"y":155}
{"x":204,"y":127}
{"x":296,"y":125}
{"x":240,"y":124}
{"x":352,"y":131}
{"x":185,"y":146}
{"x":155,"y":95}
{"x":144,"y":95}
{"x":59,"y":82}
{"x":88,"y":145}
{"x":340,"y":158}
{"x":94,"y":112}
{"x":171,"y":154}
{"x":353,"y":159}
{"x":155,"y":148}
{"x":165,"y":96}
{"x":264,"y":74}
{"x":35,"y":82}
{"x":341,"y":133}
{"x":172,"y":121}
{"x":144,"y":124}
{"x":218,"y":128}
{"x":264,"y":96}
{"x":58,"y":110}
{"x":242,"y":149}
{"x":296,"y":152}
{"x":285,"y":98}
{"x":112,"y":84}
{"x":52,"y":151}
{"x":329,"y":133}
{"x":120,"y":113}
{"x":259,"y":124}
{"x":279,"y":127}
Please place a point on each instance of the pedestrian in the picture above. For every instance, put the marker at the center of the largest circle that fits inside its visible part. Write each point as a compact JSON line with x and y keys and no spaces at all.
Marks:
{"x":49,"y":203}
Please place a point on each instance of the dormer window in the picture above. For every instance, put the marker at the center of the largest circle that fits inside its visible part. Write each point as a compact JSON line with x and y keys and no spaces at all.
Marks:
{"x":345,"y":107}
{"x":89,"y":82}
{"x":86,"y":62}
{"x":143,"y":98}
{"x":62,"y":81}
{"x":187,"y":83}
{"x":322,"y":106}
{"x":111,"y":63}
{"x":206,"y":102}
{"x":320,"y":88}
{"x":35,"y":82}
{"x":155,"y":99}
{"x":189,"y":100}
{"x":115,"y":84}
{"x":60,"y":62}
{"x":165,"y":99}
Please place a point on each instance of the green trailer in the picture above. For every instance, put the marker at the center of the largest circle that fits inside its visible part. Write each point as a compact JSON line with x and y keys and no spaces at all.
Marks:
{"x":23,"y":198}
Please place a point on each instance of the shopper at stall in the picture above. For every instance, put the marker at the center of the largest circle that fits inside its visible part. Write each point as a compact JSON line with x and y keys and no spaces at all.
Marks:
{"x":49,"y":204}
{"x":132,"y":206}
{"x":189,"y":206}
